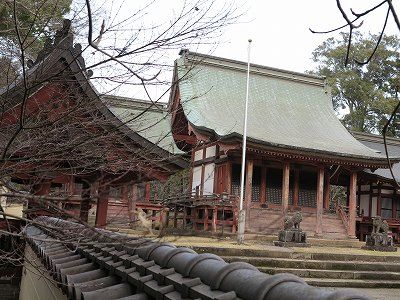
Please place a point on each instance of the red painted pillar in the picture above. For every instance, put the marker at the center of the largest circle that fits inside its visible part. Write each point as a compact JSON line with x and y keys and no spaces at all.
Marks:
{"x":132,"y":203}
{"x":102,"y":206}
{"x":147,"y":192}
{"x":320,"y":199}
{"x":352,"y":203}
{"x":248,"y":189}
{"x":285,"y":190}
{"x":85,"y":202}
{"x":205,"y":219}
{"x":34,"y":206}
{"x":327,"y":191}
{"x":214,"y":219}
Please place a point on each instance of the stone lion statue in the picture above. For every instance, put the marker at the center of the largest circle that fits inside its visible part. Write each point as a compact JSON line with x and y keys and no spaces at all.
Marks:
{"x":293,"y":222}
{"x":380,"y":225}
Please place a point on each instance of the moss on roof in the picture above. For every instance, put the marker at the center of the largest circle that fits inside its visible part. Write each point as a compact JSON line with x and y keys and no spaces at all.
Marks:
{"x":286,"y":109}
{"x":149,"y":121}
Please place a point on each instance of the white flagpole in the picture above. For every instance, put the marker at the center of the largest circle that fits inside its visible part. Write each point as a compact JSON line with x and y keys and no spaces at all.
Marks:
{"x":242,"y":212}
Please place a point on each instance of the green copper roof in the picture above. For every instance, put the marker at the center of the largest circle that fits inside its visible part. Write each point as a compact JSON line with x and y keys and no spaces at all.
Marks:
{"x":286,"y":109}
{"x":153,"y":124}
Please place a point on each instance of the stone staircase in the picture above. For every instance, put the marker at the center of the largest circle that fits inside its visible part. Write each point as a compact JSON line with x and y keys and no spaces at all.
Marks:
{"x":268,"y":221}
{"x":322,"y":269}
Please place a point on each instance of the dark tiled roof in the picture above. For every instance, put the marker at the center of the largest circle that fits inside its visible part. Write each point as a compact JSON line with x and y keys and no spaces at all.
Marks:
{"x":105,"y":265}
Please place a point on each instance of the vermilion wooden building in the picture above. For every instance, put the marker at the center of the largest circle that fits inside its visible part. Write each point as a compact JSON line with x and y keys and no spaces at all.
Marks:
{"x":68,"y":141}
{"x":378,"y":193}
{"x":296,"y":150}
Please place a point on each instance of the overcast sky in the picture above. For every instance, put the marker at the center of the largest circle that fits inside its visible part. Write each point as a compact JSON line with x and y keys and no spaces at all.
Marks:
{"x":279,"y":29}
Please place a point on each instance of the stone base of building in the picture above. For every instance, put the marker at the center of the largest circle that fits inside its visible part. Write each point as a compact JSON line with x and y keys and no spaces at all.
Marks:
{"x":379,"y":242}
{"x":292,"y":238}
{"x":290,"y":244}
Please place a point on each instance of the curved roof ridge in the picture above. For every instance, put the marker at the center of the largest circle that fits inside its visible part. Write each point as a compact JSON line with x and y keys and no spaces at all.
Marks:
{"x":254,"y":68}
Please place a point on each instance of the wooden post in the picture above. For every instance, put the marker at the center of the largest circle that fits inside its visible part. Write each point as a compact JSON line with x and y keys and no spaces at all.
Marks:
{"x":34,"y":206}
{"x":176,"y":216}
{"x":285,"y":189}
{"x":102,"y":206}
{"x":132,"y":203}
{"x":205,"y":219}
{"x":248,"y":189}
{"x":147,"y":191}
{"x":214,"y":220}
{"x":379,"y":200}
{"x":85,"y":202}
{"x":263,"y":187}
{"x":320,"y":199}
{"x":352,"y":203}
{"x":327,"y":191}
{"x":296,"y":188}
{"x":124,"y":200}
{"x":235,"y":218}
{"x":371,"y":190}
{"x":229,"y":177}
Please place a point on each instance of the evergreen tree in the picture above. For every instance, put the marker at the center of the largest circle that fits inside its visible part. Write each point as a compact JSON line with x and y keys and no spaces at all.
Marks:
{"x":366,"y":92}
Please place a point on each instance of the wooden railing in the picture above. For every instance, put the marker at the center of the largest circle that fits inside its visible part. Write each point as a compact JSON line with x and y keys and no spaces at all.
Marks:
{"x":343,"y":213}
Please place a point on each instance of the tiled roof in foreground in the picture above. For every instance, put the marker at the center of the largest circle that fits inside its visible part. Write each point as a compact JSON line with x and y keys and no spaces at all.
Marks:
{"x":105,"y":265}
{"x":286,"y":110}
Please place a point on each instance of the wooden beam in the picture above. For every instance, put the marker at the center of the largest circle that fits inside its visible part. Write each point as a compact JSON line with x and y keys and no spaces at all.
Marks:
{"x":320,"y":199}
{"x":285,"y":189}
{"x":352,"y":203}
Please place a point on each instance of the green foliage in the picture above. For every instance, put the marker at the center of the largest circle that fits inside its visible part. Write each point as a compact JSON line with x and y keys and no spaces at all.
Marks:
{"x":37,"y":20}
{"x":369,"y":92}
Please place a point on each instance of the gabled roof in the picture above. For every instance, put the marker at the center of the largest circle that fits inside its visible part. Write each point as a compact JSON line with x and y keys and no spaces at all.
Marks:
{"x":375,"y":142}
{"x":149,"y":120}
{"x":287,"y":110}
{"x":63,"y":55}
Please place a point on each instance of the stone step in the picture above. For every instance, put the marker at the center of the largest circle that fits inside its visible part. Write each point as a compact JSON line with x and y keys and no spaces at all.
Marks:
{"x":352,"y":283}
{"x":316,"y":264}
{"x":290,"y":254}
{"x":329,"y":240}
{"x":334,"y":274}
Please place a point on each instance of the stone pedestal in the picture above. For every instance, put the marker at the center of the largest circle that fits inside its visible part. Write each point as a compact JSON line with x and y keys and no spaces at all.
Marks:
{"x":379,"y":242}
{"x":292,"y":238}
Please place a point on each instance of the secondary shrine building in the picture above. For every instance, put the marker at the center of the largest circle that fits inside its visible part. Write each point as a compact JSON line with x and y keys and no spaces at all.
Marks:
{"x":298,"y":152}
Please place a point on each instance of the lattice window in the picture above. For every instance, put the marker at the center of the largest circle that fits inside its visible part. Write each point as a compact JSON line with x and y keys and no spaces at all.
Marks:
{"x":307,"y":189}
{"x":256,"y":184}
{"x":307,"y":198}
{"x":386,"y":208}
{"x":235,"y":179}
{"x":274,"y":195}
{"x":274,"y":185}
